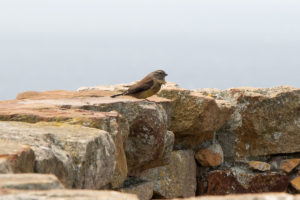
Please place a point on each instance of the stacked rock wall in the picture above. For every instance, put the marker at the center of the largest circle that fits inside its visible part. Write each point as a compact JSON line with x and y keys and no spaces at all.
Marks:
{"x":179,"y":144}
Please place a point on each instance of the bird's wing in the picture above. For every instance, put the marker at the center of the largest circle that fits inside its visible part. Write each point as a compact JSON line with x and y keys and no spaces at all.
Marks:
{"x":142,"y":85}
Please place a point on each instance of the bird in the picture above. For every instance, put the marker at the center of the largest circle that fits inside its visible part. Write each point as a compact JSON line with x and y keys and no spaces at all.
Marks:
{"x":146,"y":87}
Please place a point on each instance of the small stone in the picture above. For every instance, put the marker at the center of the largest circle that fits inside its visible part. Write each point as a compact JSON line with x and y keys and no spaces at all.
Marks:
{"x":296,"y":183}
{"x":211,"y":156}
{"x":289,"y":165}
{"x":258,"y":165}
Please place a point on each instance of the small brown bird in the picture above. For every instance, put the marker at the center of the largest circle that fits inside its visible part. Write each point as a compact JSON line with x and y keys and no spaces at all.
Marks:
{"x":146,"y":87}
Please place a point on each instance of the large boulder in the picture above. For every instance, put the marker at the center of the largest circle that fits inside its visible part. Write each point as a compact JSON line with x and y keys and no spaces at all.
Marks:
{"x":80,"y":157}
{"x":265,"y":122}
{"x":177,"y":179}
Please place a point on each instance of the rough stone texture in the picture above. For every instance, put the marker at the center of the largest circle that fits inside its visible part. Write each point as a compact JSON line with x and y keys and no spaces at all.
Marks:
{"x":177,"y":179}
{"x":235,"y":181}
{"x":80,"y":157}
{"x":263,"y":196}
{"x":143,"y":189}
{"x":289,"y":164}
{"x":258,"y":165}
{"x":211,"y":156}
{"x":65,"y":195}
{"x":265,"y":121}
{"x":195,"y":117}
{"x":29,"y":182}
{"x":296,"y":183}
{"x":113,"y":122}
{"x":15,"y":157}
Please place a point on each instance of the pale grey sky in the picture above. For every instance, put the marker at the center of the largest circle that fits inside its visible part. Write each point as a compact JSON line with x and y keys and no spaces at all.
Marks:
{"x":65,"y":44}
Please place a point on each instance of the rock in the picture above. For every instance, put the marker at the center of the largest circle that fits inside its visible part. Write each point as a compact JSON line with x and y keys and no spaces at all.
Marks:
{"x":235,"y":181}
{"x":296,"y":183}
{"x":80,"y":157}
{"x":258,"y":165}
{"x":177,"y":179}
{"x":113,"y":122}
{"x":263,"y":196}
{"x":195,"y":117}
{"x":66,"y":195}
{"x":148,"y":123}
{"x":289,"y":164}
{"x":15,"y":157}
{"x":29,"y":182}
{"x":143,"y":189}
{"x":211,"y":156}
{"x":264,"y":121}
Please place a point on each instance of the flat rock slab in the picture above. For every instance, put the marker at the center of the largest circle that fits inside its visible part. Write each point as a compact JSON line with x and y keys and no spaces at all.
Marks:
{"x":80,"y":157}
{"x":15,"y":157}
{"x":66,"y":195}
{"x":29,"y":182}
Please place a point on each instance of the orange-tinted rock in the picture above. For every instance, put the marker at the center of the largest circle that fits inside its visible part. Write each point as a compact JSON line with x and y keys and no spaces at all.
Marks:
{"x":15,"y":157}
{"x":260,"y":166}
{"x":211,"y":156}
{"x":296,"y":183}
{"x":230,"y":182}
{"x":289,"y":164}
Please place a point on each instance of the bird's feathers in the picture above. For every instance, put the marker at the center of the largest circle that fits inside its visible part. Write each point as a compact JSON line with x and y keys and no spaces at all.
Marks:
{"x":144,"y":84}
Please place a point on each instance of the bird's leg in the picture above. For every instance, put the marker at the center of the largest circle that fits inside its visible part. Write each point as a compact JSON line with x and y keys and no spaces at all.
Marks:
{"x":148,"y":100}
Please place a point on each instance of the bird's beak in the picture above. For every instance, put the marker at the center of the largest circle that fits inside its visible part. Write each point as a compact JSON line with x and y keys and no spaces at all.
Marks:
{"x":166,"y":74}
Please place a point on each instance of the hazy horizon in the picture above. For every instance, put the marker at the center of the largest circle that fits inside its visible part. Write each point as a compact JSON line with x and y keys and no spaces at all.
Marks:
{"x":64,"y":44}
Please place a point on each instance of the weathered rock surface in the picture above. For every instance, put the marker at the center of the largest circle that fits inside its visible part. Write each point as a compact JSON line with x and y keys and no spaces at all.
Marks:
{"x":80,"y":157}
{"x":113,"y":122}
{"x":265,"y":121}
{"x":143,"y":189}
{"x":263,"y":196}
{"x":148,"y":121}
{"x":260,"y":166}
{"x":177,"y":179}
{"x":29,"y":181}
{"x":211,"y":156}
{"x":221,"y":182}
{"x":195,"y":117}
{"x":15,"y":157}
{"x":65,"y":195}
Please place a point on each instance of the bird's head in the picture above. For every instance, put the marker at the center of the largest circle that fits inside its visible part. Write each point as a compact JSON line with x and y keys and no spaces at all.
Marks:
{"x":160,"y":75}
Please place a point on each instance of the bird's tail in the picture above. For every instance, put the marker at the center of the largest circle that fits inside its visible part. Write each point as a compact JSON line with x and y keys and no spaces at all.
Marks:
{"x":116,"y":95}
